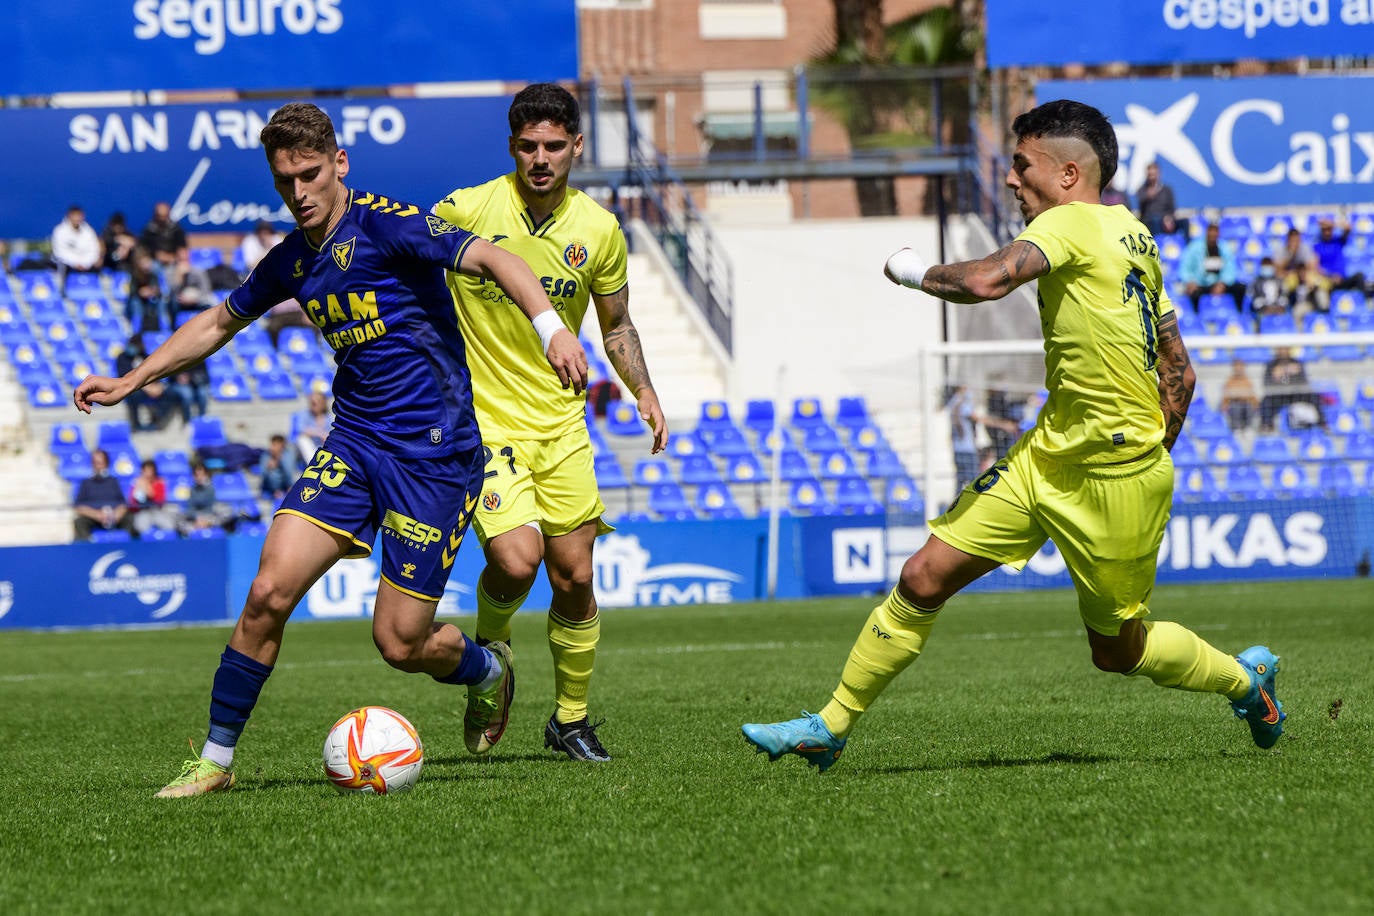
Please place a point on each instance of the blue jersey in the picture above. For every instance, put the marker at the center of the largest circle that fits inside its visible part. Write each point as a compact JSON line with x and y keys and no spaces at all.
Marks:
{"x":376,"y":290}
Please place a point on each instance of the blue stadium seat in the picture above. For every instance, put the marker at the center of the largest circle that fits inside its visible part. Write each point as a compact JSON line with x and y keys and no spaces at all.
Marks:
{"x":160,"y":534}
{"x":213,"y":533}
{"x":83,"y":286}
{"x":275,"y":386}
{"x":744,"y":469}
{"x":1292,"y":480}
{"x":726,"y":441}
{"x":59,"y":331}
{"x":807,"y":497}
{"x":73,"y":465}
{"x":759,"y":415}
{"x":1234,"y":226}
{"x":207,"y":431}
{"x":124,"y":461}
{"x":110,"y":536}
{"x":904,"y":496}
{"x":315,"y":380}
{"x":1337,"y":480}
{"x":821,"y":438}
{"x":1359,"y":446}
{"x":714,"y":501}
{"x":684,"y":445}
{"x":1216,"y":308}
{"x":768,"y":440}
{"x":698,"y":469}
{"x":1364,"y":395}
{"x":714,"y":415}
{"x":232,"y":487}
{"x":38,"y":285}
{"x":1277,"y":225}
{"x":806,"y":412}
{"x":867,"y":437}
{"x":852,"y":413}
{"x":206,"y":258}
{"x":1225,"y":450}
{"x":114,"y":434}
{"x":1189,"y":324}
{"x":794,"y":465}
{"x":609,"y":475}
{"x":230,"y":386}
{"x":1347,"y":303}
{"x":1315,"y":445}
{"x":258,"y":361}
{"x":649,"y":472}
{"x":1198,"y":485}
{"x":73,"y":371}
{"x":884,"y":462}
{"x":669,"y":502}
{"x":1207,"y":423}
{"x":251,"y":529}
{"x":48,"y":311}
{"x":66,"y":438}
{"x":105,"y":330}
{"x":837,"y":466}
{"x":1243,"y":481}
{"x":1342,"y":421}
{"x":45,"y":393}
{"x":1271,"y":450}
{"x":178,"y":488}
{"x":172,"y":463}
{"x":1184,"y":453}
{"x":622,"y":419}
{"x":853,"y":496}
{"x":23,"y":355}
{"x":1277,"y":324}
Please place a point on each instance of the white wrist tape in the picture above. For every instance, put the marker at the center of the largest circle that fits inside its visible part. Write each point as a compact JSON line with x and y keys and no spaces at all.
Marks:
{"x":907,"y":267}
{"x":547,"y":324}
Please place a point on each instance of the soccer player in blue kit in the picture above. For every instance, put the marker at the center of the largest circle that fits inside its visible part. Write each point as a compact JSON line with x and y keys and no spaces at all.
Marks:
{"x":404,"y":457}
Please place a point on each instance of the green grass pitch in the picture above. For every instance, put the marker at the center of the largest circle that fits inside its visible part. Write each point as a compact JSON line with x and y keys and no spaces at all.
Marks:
{"x":1000,"y":774}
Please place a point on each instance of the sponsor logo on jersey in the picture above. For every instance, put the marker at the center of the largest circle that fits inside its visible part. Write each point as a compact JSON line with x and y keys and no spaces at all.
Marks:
{"x":408,"y":570}
{"x":343,"y":252}
{"x":408,"y":529}
{"x":437,"y":226}
{"x":575,"y":255}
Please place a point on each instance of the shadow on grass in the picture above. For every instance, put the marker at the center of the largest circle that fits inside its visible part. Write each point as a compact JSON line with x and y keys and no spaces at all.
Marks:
{"x":1058,"y":757}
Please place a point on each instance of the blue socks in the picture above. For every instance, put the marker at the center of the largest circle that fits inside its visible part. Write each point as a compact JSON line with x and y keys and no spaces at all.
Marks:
{"x":238,"y":681}
{"x":478,"y":665}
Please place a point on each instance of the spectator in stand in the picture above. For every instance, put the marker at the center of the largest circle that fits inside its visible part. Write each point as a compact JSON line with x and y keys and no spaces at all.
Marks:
{"x":163,"y":236}
{"x":1286,"y":385}
{"x":1266,"y":292}
{"x":192,"y":389}
{"x":1209,"y":266}
{"x":146,"y":307}
{"x":148,"y":500}
{"x":190,"y":289}
{"x":257,"y":243}
{"x":156,"y":401}
{"x":311,"y":426}
{"x":203,"y":508}
{"x":1330,"y":251}
{"x":1155,"y":203}
{"x":119,"y":243}
{"x":1239,"y":401}
{"x":278,"y":470}
{"x":1297,"y":266}
{"x":75,"y":246}
{"x":99,"y":502}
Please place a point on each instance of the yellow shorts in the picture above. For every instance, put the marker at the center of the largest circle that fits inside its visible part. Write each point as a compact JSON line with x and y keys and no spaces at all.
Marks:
{"x":548,"y":482}
{"x":1107,"y":522}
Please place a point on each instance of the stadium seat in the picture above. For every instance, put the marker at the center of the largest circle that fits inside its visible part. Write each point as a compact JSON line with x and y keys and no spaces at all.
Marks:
{"x":1184,"y":453}
{"x":48,"y":311}
{"x":124,"y":461}
{"x":714,"y":501}
{"x":1207,"y":423}
{"x":275,"y":386}
{"x":744,"y":469}
{"x":669,"y":502}
{"x":867,"y":437}
{"x":1315,"y":445}
{"x":1225,"y":450}
{"x":1346,"y":303}
{"x":205,"y":258}
{"x":114,"y":434}
{"x":726,"y":441}
{"x":1277,"y":225}
{"x":110,"y":536}
{"x":232,"y":487}
{"x":609,"y":475}
{"x":171,"y":462}
{"x":46,"y":393}
{"x":622,"y":419}
{"x":83,"y":286}
{"x":1271,"y":450}
{"x":1216,"y":308}
{"x":759,"y":416}
{"x":66,"y":438}
{"x":806,"y":412}
{"x":821,"y":438}
{"x":314,"y":380}
{"x":230,"y":386}
{"x":837,"y":466}
{"x":771,"y":439}
{"x":178,"y":487}
{"x":207,"y":431}
{"x":794,"y":465}
{"x":1342,"y":421}
{"x":1198,"y":485}
{"x":74,"y":465}
{"x":852,"y":413}
{"x":1277,"y":324}
{"x":649,"y":472}
{"x":259,"y":361}
{"x":38,"y":285}
{"x":1243,"y":481}
{"x":1234,"y":226}
{"x":684,"y":445}
{"x":807,"y":497}
{"x":160,"y":534}
{"x":884,"y":462}
{"x":697,"y":470}
{"x":1292,"y":480}
{"x":213,"y":533}
{"x":1359,"y":446}
{"x":853,"y":497}
{"x":904,"y":496}
{"x":1336,"y":479}
{"x":714,"y":415}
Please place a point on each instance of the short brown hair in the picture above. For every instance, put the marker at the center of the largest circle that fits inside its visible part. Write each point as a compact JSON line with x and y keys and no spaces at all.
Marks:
{"x":299,"y":125}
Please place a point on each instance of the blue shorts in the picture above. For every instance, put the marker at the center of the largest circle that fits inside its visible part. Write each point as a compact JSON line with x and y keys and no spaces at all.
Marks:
{"x":422,"y":507}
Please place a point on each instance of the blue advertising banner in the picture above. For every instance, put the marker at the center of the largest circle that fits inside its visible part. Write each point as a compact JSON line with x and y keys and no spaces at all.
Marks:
{"x":95,"y":45}
{"x":206,"y":161}
{"x":1021,"y":34}
{"x":93,"y":585}
{"x":1267,"y":141}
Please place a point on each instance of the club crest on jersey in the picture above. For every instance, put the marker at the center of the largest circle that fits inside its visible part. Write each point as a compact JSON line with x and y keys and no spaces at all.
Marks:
{"x":296,"y":271}
{"x":436,"y":435}
{"x":343,"y":252}
{"x":575,"y":255}
{"x":309,"y":493}
{"x":437,"y":226}
{"x":491,"y":501}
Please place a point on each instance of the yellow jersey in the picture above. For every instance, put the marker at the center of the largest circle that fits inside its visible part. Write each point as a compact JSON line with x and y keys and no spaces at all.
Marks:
{"x":577,"y":252}
{"x":1100,"y":306}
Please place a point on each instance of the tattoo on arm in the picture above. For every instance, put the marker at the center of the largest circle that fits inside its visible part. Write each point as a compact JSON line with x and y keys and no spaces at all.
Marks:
{"x":1176,"y":379}
{"x":989,"y":278}
{"x":622,"y":340}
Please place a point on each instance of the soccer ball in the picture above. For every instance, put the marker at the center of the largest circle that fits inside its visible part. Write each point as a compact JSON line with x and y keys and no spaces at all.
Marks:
{"x":373,"y":750}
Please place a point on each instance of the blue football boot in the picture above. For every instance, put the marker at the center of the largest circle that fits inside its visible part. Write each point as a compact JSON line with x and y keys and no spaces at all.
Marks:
{"x":806,"y":737}
{"x":1260,"y":707}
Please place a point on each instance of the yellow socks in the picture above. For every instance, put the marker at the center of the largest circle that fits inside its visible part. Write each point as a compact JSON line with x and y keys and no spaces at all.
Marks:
{"x":493,"y":617}
{"x":892,"y":637}
{"x":573,"y":646}
{"x":1177,"y":657}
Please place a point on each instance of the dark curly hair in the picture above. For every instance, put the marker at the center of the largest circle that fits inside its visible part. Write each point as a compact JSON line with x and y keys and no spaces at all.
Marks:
{"x":1067,"y":118}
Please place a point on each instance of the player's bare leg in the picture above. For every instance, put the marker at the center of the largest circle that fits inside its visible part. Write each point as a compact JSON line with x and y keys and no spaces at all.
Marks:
{"x":574,"y":631}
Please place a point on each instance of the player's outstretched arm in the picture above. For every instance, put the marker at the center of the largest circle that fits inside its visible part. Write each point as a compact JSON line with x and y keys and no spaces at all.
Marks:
{"x":1176,"y":379}
{"x":561,"y":346}
{"x":970,"y":281}
{"x":192,"y":342}
{"x":627,"y":356}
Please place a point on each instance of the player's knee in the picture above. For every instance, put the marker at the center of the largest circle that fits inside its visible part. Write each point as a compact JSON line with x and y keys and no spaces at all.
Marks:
{"x":268,"y":601}
{"x":920,"y":585}
{"x":515,"y":570}
{"x":571,"y":580}
{"x":1112,"y":659}
{"x":397,"y":652}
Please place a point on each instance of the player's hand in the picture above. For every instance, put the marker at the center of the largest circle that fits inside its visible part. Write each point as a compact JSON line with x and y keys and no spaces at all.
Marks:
{"x":650,"y":412}
{"x":98,"y":389}
{"x":905,"y":268}
{"x":569,"y":360}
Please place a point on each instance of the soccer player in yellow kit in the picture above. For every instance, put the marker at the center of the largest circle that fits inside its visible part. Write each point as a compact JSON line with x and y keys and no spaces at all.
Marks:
{"x":1093,"y":474}
{"x":540,"y":501}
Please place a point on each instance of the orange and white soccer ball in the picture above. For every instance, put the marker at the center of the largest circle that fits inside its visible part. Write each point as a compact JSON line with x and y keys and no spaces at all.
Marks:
{"x":373,"y":750}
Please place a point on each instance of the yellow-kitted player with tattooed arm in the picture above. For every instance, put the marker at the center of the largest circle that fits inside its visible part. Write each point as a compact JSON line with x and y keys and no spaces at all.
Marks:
{"x":540,"y":502}
{"x":1093,"y":474}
